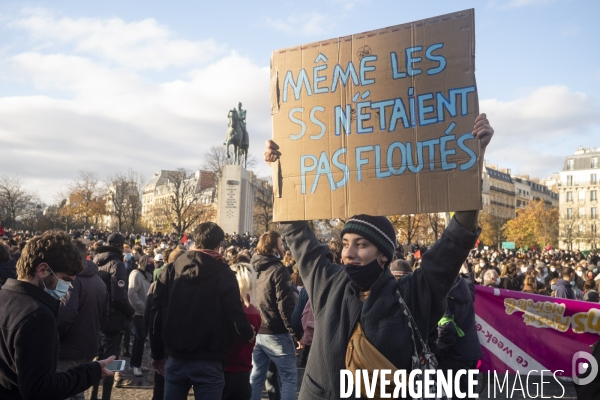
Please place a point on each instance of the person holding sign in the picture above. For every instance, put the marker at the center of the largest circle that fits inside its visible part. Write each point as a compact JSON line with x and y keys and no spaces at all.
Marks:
{"x":362,"y":292}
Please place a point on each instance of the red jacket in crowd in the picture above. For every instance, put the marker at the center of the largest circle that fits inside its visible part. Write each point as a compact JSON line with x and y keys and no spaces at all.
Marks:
{"x":240,"y":355}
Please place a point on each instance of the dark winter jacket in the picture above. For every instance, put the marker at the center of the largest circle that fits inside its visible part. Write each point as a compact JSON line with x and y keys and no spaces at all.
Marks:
{"x":337,"y":307}
{"x":114,"y":274}
{"x":8,"y":269}
{"x":148,"y":316}
{"x":197,"y":310}
{"x":448,"y":344}
{"x":564,"y":290}
{"x":297,"y":314}
{"x":82,"y":312}
{"x":591,"y":296}
{"x":510,"y":283}
{"x":274,"y":297}
{"x":29,"y":347}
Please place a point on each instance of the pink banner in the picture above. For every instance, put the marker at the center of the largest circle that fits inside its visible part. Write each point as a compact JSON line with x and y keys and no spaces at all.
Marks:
{"x":524,"y":332}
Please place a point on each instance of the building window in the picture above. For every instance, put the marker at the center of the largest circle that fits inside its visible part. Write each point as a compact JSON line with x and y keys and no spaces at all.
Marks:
{"x":582,"y":195}
{"x":593,"y":179}
{"x":593,"y":228}
{"x":570,"y":165}
{"x":569,"y":213}
{"x":593,"y":195}
{"x":593,"y":213}
{"x":581,"y":212}
{"x":581,"y":229}
{"x":595,"y":162}
{"x":569,"y":180}
{"x":569,"y":196}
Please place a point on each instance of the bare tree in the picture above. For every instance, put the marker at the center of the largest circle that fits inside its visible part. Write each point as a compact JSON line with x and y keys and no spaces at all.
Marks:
{"x":408,"y":226}
{"x":570,"y":227}
{"x":437,"y":225}
{"x":124,"y":191}
{"x":214,"y":161}
{"x":263,"y":205}
{"x":133,"y":211}
{"x":180,"y":207}
{"x":216,"y":158}
{"x":16,"y":203}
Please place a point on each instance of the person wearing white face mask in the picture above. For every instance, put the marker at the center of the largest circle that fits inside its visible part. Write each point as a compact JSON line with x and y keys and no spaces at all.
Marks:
{"x":491,"y":278}
{"x":523,"y":269}
{"x":80,"y":315}
{"x":580,"y":277}
{"x":28,"y":319}
{"x":543,"y":275}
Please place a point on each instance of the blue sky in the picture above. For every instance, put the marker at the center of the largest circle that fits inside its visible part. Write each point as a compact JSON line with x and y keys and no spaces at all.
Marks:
{"x":117,"y":84}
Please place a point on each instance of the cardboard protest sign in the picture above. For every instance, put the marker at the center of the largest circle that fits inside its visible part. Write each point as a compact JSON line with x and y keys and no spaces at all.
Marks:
{"x":378,"y":122}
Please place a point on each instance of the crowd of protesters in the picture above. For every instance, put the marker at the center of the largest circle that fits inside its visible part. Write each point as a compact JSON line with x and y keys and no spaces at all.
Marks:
{"x":230,"y":316}
{"x":558,"y":273}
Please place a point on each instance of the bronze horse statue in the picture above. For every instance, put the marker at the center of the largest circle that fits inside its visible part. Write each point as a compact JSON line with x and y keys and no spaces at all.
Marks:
{"x":238,"y":137}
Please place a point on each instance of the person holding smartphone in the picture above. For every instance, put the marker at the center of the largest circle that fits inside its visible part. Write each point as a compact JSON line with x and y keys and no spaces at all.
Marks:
{"x":28,"y":324}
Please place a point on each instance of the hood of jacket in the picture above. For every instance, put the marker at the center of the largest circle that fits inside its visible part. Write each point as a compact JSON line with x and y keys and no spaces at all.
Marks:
{"x":562,"y":282}
{"x":143,"y":263}
{"x":195,"y":265}
{"x":460,"y":291}
{"x":106,"y":254}
{"x":262,"y":262}
{"x":89,"y":269}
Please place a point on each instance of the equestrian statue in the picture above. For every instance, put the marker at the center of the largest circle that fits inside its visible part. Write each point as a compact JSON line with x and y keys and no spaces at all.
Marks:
{"x":237,"y":135}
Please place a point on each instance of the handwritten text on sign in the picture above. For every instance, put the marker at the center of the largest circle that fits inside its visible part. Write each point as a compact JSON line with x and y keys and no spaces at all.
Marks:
{"x":391,"y":114}
{"x":388,"y":112}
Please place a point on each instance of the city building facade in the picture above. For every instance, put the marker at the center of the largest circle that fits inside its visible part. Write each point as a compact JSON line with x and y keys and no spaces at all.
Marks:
{"x":199,"y":189}
{"x":578,"y":196}
{"x":527,"y":190}
{"x":498,"y":192}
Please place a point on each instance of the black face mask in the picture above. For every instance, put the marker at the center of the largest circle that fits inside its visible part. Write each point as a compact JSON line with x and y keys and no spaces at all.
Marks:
{"x":150,"y":268}
{"x":364,"y":276}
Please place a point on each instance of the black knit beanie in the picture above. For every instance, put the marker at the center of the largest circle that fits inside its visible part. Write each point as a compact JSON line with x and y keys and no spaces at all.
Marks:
{"x":377,"y":230}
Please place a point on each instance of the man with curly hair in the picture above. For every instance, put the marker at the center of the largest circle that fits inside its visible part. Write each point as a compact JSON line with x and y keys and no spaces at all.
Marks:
{"x":28,"y":323}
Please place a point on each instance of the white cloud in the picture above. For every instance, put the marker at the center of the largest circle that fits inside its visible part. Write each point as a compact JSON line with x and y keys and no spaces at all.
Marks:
{"x":302,"y":24}
{"x":518,"y":3}
{"x":137,"y":45}
{"x":535,"y":133}
{"x":89,"y":113}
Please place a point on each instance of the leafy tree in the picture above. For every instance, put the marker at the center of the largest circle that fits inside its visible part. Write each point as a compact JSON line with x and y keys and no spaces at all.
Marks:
{"x":410,"y":227}
{"x":85,"y":202}
{"x":535,"y":225}
{"x":491,"y":229}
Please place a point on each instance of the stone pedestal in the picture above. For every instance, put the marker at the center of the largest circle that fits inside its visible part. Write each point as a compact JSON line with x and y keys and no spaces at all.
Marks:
{"x":235,"y":212}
